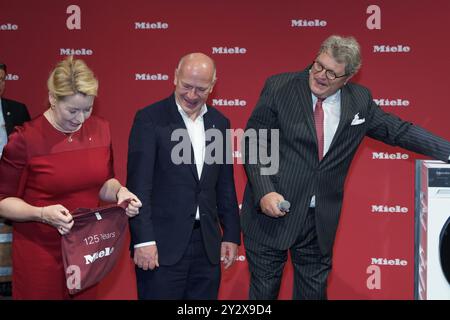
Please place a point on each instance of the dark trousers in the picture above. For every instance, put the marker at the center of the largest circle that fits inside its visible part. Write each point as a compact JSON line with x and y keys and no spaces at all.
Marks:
{"x":311,"y":268}
{"x":192,"y":278}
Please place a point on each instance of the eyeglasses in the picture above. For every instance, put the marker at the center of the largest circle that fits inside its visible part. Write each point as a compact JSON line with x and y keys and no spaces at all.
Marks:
{"x":318,"y":67}
{"x":201,"y":91}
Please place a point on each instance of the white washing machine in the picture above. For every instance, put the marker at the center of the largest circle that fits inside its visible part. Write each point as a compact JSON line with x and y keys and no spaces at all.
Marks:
{"x":432,"y":226}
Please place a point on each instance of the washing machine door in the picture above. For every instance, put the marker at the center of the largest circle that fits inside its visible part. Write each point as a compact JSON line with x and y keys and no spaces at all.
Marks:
{"x":444,"y":248}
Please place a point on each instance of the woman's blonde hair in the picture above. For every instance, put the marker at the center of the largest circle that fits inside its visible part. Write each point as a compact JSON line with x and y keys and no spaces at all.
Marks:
{"x":72,"y":76}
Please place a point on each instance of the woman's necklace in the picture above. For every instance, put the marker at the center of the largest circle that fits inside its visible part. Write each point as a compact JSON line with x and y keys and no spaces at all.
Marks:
{"x":49,"y":115}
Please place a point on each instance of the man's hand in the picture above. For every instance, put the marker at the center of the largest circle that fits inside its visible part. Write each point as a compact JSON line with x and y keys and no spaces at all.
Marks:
{"x":228,"y":253}
{"x":146,"y":257}
{"x":269,"y":205}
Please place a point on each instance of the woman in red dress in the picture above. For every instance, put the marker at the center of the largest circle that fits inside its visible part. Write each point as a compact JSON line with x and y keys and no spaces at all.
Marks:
{"x":59,"y":161}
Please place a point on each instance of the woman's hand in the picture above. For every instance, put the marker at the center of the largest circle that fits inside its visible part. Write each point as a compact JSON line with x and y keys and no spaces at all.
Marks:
{"x":57,"y":216}
{"x":133,"y":202}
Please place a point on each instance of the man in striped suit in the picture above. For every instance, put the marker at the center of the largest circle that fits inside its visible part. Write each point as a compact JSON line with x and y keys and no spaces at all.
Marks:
{"x":322,"y":118}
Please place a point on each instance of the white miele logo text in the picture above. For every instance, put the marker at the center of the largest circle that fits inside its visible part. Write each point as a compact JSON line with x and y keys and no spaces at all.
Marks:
{"x":385,"y":48}
{"x":9,"y":27}
{"x":98,"y":255}
{"x":389,"y":156}
{"x":75,"y":52}
{"x":387,"y":209}
{"x":389,"y":262}
{"x":12,"y":77}
{"x":230,"y":103}
{"x":227,"y":50}
{"x":392,"y":102}
{"x":308,"y":23}
{"x":154,"y":77}
{"x":151,"y":25}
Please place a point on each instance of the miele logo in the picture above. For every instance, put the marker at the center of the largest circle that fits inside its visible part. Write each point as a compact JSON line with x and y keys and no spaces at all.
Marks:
{"x":9,"y":27}
{"x":98,"y":255}
{"x":227,"y":50}
{"x":389,"y":262}
{"x":388,"y":49}
{"x":389,"y":156}
{"x":75,"y":52}
{"x":151,"y":25}
{"x":229,"y":103}
{"x":151,"y":77}
{"x":392,"y":102}
{"x":10,"y":76}
{"x":387,"y":209}
{"x":308,"y":23}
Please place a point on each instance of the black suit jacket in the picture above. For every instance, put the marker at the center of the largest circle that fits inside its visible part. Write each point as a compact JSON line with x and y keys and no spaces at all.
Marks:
{"x":286,"y":104}
{"x":14,"y":113}
{"x":170,"y":193}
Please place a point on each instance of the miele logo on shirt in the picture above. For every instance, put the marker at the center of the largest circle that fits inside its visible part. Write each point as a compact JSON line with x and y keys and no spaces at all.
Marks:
{"x":389,"y":262}
{"x":90,"y":258}
{"x":228,"y":50}
{"x":389,"y":156}
{"x":308,"y":23}
{"x":229,"y":102}
{"x":389,"y":209}
{"x":11,"y":76}
{"x":151,"y":76}
{"x":392,"y":102}
{"x":75,"y":52}
{"x":400,"y":48}
{"x":9,"y":27}
{"x":151,"y":25}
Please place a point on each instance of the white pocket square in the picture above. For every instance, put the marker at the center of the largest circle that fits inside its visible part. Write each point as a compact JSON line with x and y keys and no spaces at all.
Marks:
{"x":356,"y":120}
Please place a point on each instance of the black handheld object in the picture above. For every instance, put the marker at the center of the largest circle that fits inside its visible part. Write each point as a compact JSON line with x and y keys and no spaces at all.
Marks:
{"x":444,"y":248}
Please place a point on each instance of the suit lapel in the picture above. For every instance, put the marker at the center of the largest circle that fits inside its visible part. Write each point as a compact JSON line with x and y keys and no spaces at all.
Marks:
{"x":177,"y":122}
{"x":348,"y":110}
{"x":305,"y":102}
{"x":209,"y":124}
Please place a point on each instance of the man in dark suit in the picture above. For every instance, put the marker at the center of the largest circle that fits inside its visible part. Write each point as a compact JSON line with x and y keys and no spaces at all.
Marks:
{"x":13,"y":113}
{"x":177,"y":240}
{"x":322,"y":118}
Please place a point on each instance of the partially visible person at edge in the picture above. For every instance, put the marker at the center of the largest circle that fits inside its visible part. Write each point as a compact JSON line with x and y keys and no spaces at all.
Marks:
{"x":13,"y":113}
{"x":177,"y":239}
{"x":55,"y":163}
{"x":322,"y":119}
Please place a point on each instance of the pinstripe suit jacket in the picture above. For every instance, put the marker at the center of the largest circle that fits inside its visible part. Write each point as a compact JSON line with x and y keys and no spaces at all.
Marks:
{"x":286,"y":104}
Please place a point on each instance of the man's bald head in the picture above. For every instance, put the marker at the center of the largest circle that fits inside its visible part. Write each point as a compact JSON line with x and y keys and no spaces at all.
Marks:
{"x":194,"y":80}
{"x":198,"y":61}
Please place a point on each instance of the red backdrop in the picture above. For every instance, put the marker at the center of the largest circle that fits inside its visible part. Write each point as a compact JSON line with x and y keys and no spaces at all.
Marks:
{"x":134,"y":46}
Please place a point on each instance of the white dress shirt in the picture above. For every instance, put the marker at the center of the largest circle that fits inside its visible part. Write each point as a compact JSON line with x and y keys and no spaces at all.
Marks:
{"x":196,"y":131}
{"x":331,"y":114}
{"x":3,"y":134}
